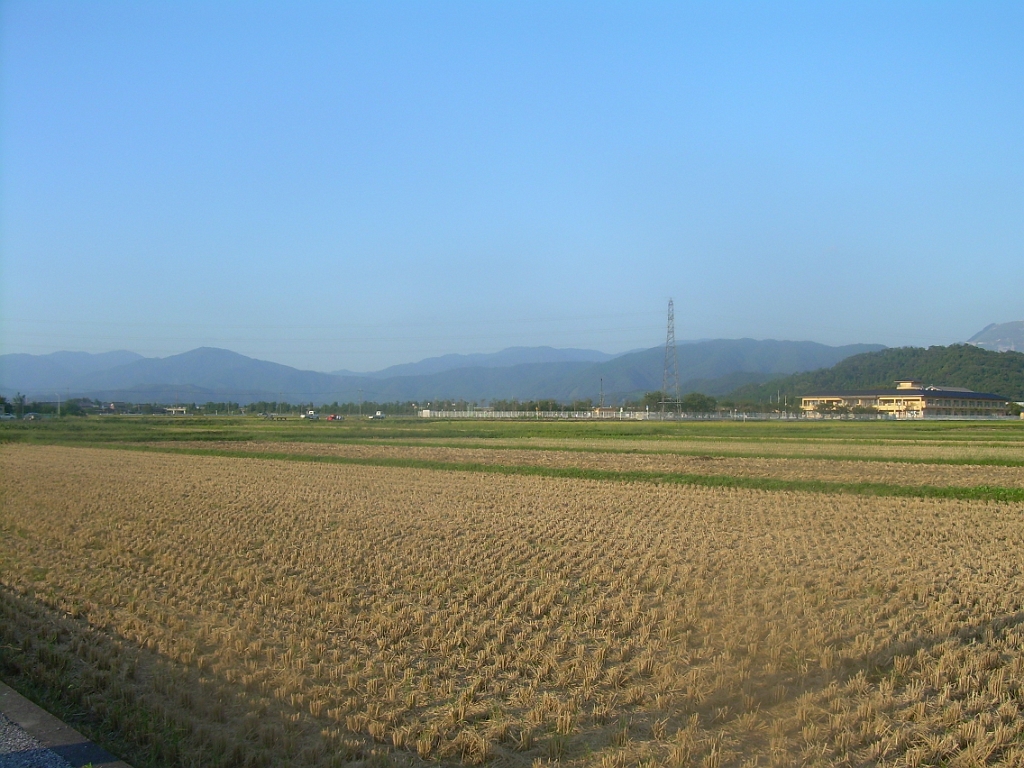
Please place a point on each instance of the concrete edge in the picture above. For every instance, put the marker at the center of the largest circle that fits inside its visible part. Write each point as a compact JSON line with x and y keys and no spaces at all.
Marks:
{"x":53,"y":733}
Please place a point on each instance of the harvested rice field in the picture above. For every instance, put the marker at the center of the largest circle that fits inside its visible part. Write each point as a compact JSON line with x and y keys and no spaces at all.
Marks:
{"x":835,"y":471}
{"x":268,"y":606}
{"x":921,"y":450}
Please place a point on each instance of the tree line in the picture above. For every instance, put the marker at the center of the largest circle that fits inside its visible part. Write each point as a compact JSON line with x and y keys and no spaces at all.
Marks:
{"x":693,"y":403}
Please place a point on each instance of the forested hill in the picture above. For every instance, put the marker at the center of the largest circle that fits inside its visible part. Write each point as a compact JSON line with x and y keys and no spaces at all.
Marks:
{"x":959,"y":365}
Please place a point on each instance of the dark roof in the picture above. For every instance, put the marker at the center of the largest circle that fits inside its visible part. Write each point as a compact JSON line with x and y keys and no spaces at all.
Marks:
{"x":954,"y":394}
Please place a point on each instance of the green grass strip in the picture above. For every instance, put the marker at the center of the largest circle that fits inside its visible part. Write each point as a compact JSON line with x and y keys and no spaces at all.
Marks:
{"x":978,"y":492}
{"x":718,"y":454}
{"x":145,"y":429}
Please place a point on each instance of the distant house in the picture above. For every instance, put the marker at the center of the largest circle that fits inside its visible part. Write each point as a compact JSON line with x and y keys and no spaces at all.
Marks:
{"x":910,"y":400}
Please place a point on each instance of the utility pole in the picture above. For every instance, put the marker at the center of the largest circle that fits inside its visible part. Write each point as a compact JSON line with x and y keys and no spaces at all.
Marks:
{"x":670,"y":378}
{"x":601,"y":402}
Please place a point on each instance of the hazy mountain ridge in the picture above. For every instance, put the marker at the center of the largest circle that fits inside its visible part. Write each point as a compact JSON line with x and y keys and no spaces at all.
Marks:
{"x":203,"y":374}
{"x":709,"y":366}
{"x":210,"y":368}
{"x":504,"y":359}
{"x":1000,"y":337}
{"x":57,"y":371}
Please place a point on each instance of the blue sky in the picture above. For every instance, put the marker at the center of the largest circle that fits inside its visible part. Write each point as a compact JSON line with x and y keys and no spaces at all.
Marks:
{"x":356,"y":185}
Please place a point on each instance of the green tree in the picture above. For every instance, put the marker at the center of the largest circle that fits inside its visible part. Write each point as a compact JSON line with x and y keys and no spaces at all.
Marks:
{"x":695,"y":402}
{"x":831,"y":409}
{"x":652,"y":400}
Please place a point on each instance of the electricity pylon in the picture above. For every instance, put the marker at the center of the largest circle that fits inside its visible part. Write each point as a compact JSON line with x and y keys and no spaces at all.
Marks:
{"x":670,"y":379}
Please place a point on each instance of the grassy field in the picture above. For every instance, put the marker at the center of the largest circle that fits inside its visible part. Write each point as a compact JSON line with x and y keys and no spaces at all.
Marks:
{"x":130,"y":428}
{"x":240,"y":592}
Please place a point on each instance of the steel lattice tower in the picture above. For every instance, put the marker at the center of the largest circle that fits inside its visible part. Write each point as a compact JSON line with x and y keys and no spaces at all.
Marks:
{"x":670,"y":380}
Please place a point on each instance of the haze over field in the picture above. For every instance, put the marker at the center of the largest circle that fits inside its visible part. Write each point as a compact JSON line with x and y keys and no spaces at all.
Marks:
{"x":346,"y":187}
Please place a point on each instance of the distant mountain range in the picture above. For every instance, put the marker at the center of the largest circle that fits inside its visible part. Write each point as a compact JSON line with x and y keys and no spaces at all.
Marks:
{"x":206,"y":374}
{"x":42,"y":374}
{"x":958,"y":365}
{"x":503,"y":359}
{"x":1002,"y":337}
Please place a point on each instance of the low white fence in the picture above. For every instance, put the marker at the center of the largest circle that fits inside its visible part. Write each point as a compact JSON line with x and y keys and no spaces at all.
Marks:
{"x":606,"y":415}
{"x":624,"y":415}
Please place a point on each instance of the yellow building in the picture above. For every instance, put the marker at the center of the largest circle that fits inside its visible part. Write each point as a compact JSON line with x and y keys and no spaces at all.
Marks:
{"x":909,"y":400}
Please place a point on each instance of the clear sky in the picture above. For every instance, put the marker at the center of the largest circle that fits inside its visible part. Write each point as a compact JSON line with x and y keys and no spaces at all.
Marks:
{"x":354,"y":185}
